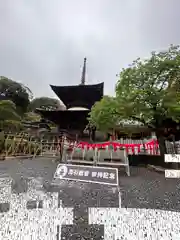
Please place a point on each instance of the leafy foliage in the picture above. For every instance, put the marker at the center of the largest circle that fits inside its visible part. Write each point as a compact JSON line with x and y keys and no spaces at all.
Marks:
{"x":11,"y":125}
{"x":18,"y":146}
{"x":149,"y":90}
{"x":104,"y":115}
{"x":14,"y":103}
{"x":45,"y":103}
{"x":8,"y":111}
{"x":31,"y":117}
{"x":15,"y":92}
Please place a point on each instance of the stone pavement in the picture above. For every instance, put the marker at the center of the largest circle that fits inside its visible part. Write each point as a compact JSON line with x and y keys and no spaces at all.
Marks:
{"x":70,"y":210}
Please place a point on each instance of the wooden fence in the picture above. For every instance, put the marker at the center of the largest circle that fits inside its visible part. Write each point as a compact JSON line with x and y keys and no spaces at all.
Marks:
{"x":25,"y":144}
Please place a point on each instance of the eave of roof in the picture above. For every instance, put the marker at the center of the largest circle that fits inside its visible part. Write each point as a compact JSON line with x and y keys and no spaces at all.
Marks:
{"x":79,"y":95}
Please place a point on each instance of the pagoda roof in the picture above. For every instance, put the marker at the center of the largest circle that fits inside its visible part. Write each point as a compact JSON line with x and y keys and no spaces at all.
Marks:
{"x":79,"y":95}
{"x":75,"y":120}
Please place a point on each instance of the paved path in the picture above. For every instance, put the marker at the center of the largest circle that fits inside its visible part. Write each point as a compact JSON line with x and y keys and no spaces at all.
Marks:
{"x":70,"y":210}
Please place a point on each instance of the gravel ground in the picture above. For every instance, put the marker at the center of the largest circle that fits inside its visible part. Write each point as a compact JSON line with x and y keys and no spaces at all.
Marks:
{"x":143,"y":189}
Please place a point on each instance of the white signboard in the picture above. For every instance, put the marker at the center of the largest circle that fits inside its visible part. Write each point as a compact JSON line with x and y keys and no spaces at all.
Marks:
{"x":91,"y":174}
{"x":172,"y":158}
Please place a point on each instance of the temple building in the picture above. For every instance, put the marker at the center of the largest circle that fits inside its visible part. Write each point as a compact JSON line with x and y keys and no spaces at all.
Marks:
{"x":78,"y":100}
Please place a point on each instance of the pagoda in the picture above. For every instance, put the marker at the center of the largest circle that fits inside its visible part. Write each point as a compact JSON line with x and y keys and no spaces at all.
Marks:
{"x":78,"y":100}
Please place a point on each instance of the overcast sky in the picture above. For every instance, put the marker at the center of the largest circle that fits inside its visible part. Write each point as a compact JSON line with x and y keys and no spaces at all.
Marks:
{"x":44,"y":42}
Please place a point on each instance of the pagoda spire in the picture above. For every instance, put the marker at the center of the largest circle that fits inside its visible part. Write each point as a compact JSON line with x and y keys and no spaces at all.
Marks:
{"x":83,"y":77}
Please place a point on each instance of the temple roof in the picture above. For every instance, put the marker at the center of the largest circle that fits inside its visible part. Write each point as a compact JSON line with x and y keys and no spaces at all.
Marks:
{"x":79,"y":95}
{"x":75,"y":120}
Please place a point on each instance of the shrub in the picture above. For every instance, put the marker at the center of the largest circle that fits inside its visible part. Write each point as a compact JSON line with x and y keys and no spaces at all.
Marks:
{"x":21,"y":146}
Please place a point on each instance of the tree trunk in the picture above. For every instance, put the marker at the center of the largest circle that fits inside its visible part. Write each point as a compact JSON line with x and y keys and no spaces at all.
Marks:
{"x":163,"y":150}
{"x":161,"y":141}
{"x":175,"y":165}
{"x":93,"y":135}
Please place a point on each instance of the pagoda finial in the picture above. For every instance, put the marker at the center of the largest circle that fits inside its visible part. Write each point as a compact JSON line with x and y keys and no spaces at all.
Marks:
{"x":83,"y":77}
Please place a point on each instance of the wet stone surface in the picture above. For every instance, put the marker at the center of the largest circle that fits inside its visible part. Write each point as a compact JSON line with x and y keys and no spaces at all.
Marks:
{"x":144,"y":189}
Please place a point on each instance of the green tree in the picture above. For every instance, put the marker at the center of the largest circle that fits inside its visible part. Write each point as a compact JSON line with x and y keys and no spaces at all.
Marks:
{"x":16,"y":92}
{"x":44,"y":103}
{"x":9,"y":118}
{"x":32,"y":117}
{"x":104,"y":114}
{"x":12,"y":126}
{"x":8,"y":111}
{"x":149,"y":91}
{"x":105,"y":117}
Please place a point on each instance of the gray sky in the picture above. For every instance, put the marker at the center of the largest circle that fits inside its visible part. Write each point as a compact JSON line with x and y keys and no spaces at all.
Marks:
{"x":44,"y":42}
